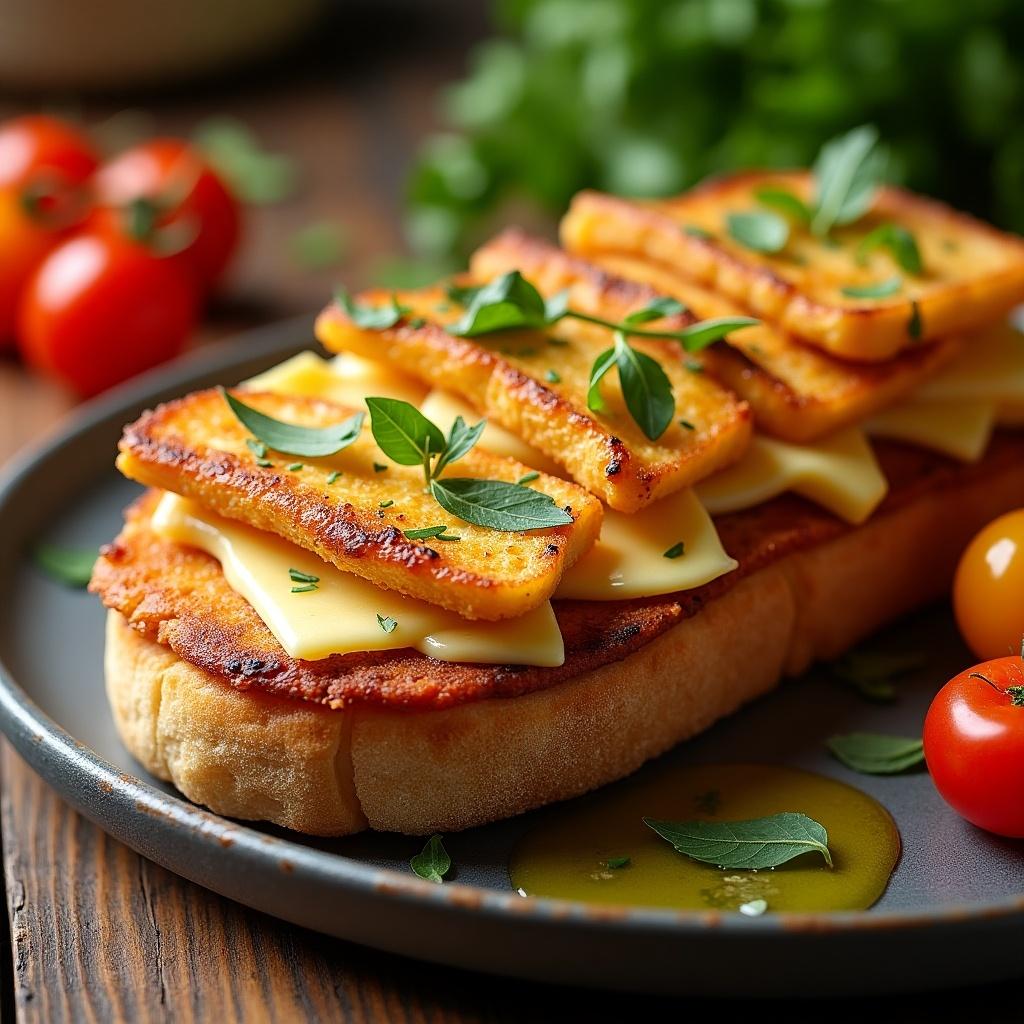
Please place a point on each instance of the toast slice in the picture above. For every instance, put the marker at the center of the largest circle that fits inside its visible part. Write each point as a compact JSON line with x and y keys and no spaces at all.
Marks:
{"x":797,"y":392}
{"x":358,"y":520}
{"x":535,"y":383}
{"x":972,"y":273}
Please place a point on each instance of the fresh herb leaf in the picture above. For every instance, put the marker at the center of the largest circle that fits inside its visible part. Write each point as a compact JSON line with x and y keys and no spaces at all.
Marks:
{"x":264,"y":463}
{"x":295,"y":467}
{"x":498,"y":505}
{"x":386,"y":504}
{"x":785,"y":202}
{"x":67,"y":565}
{"x":872,"y":674}
{"x":258,"y":448}
{"x":371,"y":318}
{"x":656,"y":309}
{"x":552,"y":376}
{"x":297,"y":576}
{"x":675,"y":551}
{"x":557,"y":306}
{"x":900,"y":243}
{"x":333,"y":477}
{"x":705,"y":332}
{"x":645,"y":387}
{"x":379,"y":467}
{"x":402,"y":432}
{"x":846,"y":175}
{"x":528,"y":478}
{"x":602,"y":364}
{"x":388,"y":624}
{"x":758,"y":230}
{"x":448,"y":537}
{"x":432,"y":862}
{"x":425,"y":532}
{"x":306,"y":588}
{"x":754,"y":844}
{"x":507,"y":301}
{"x":461,"y":438}
{"x":461,"y":295}
{"x":615,"y":863}
{"x":877,"y":754}
{"x":915,"y":325}
{"x":417,"y":322}
{"x":291,"y":439}
{"x":877,"y":290}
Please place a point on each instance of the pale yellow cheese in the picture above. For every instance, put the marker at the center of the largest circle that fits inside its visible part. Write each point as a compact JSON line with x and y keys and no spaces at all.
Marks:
{"x":958,"y":428}
{"x":629,"y":559}
{"x":346,"y":379}
{"x":839,"y":473}
{"x":991,"y":368}
{"x":340,"y":616}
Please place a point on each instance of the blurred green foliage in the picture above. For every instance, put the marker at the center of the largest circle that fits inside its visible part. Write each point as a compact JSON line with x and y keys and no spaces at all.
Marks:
{"x":646,"y":97}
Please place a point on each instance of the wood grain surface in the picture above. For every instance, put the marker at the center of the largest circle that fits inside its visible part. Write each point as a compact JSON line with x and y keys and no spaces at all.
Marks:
{"x":97,"y":933}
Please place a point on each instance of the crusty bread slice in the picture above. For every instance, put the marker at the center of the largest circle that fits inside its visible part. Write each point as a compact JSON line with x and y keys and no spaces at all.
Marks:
{"x":248,"y":753}
{"x":973,"y":273}
{"x":535,"y":384}
{"x":353,"y":508}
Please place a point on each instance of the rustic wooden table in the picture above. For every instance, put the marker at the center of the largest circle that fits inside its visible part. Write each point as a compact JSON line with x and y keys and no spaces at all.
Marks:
{"x":97,"y":932}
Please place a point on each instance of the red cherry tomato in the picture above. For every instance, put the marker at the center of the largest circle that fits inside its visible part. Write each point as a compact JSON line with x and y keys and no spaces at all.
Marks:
{"x":38,"y":143}
{"x":974,"y":745}
{"x":101,"y":308}
{"x":184,"y":192}
{"x":988,"y":590}
{"x":44,"y":164}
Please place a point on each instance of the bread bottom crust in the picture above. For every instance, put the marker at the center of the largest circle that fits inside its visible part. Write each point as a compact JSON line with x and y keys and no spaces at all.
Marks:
{"x":330,"y":773}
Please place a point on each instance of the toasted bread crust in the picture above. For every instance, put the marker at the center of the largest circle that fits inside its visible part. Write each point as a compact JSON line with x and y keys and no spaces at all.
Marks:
{"x":250,"y":755}
{"x":178,"y":596}
{"x":989,"y":282}
{"x":195,"y":447}
{"x":607,"y":453}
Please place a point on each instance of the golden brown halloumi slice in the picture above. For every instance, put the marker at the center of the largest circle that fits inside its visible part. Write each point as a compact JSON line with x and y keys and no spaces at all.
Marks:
{"x":797,"y":392}
{"x":972,"y":274}
{"x":197,"y":448}
{"x":534,"y":383}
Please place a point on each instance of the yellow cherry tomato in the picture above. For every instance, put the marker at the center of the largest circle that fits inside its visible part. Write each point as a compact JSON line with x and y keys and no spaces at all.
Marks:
{"x":988,"y":591}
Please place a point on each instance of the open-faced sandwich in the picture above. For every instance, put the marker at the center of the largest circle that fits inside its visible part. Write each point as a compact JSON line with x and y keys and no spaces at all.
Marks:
{"x":533,"y":526}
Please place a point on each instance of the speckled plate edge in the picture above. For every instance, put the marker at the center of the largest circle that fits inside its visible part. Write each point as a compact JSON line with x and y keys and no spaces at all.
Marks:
{"x":542,"y":939}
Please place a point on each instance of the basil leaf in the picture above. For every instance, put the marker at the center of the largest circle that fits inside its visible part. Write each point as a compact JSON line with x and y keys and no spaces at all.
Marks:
{"x":846,"y":174}
{"x":872,"y":674}
{"x":372,"y":318}
{"x":900,"y":243}
{"x":602,"y":364}
{"x":760,"y":231}
{"x":462,"y":294}
{"x":878,"y":290}
{"x":785,"y":202}
{"x":645,"y":388}
{"x":432,"y":862}
{"x":70,"y":566}
{"x":461,"y":439}
{"x":706,"y":332}
{"x":657,"y":308}
{"x":557,"y":306}
{"x":754,"y":844}
{"x":876,"y":754}
{"x":508,"y":301}
{"x":402,"y":432}
{"x":291,"y":439}
{"x":497,"y":505}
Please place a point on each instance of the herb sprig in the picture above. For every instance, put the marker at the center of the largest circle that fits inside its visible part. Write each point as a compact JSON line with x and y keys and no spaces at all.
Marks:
{"x":433,"y":861}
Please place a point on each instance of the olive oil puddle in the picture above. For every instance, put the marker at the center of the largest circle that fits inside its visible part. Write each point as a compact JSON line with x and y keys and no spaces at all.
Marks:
{"x":571,"y":853}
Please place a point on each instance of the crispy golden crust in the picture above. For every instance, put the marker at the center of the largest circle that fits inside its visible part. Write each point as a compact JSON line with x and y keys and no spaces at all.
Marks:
{"x":973,"y":272}
{"x":797,"y":392}
{"x":178,"y":596}
{"x":249,"y":755}
{"x":538,"y":390}
{"x":196,"y":447}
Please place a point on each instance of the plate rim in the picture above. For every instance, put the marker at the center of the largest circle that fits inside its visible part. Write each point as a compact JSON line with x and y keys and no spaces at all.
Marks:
{"x":112,"y":798}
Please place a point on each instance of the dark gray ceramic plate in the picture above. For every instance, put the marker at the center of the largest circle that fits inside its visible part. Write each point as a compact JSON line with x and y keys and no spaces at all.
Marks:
{"x":952,"y":913}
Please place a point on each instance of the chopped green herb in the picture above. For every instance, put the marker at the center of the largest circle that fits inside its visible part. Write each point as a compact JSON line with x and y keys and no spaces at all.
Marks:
{"x":379,"y":467}
{"x":915,"y":326}
{"x":306,"y":588}
{"x":697,"y":232}
{"x":877,"y":290}
{"x":528,"y":478}
{"x":753,"y":845}
{"x":372,"y":318}
{"x":785,"y":202}
{"x":297,"y":576}
{"x":264,"y":463}
{"x":687,"y":425}
{"x":388,"y":624}
{"x":876,"y":754}
{"x":425,"y":532}
{"x":432,"y":862}
{"x":258,"y":448}
{"x":758,"y":230}
{"x":333,"y":476}
{"x":900,"y":243}
{"x":552,"y":377}
{"x":67,"y":565}
{"x":693,"y":366}
{"x":386,"y":504}
{"x":448,"y":537}
{"x":295,"y":467}
{"x":675,"y":551}
{"x":558,"y":342}
{"x":614,"y":863}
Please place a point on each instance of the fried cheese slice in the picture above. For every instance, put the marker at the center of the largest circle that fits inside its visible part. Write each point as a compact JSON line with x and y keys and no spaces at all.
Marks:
{"x":353,"y":508}
{"x":972,"y":273}
{"x":535,"y":383}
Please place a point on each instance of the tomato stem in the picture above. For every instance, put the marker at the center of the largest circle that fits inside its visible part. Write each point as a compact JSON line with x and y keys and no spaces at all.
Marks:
{"x":1015,"y":693}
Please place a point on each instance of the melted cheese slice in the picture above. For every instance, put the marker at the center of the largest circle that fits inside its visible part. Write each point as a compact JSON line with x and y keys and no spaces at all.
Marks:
{"x":961,"y":429}
{"x":340,"y":616}
{"x":839,"y":473}
{"x":990,"y":369}
{"x":345,"y":379}
{"x":629,"y":559}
